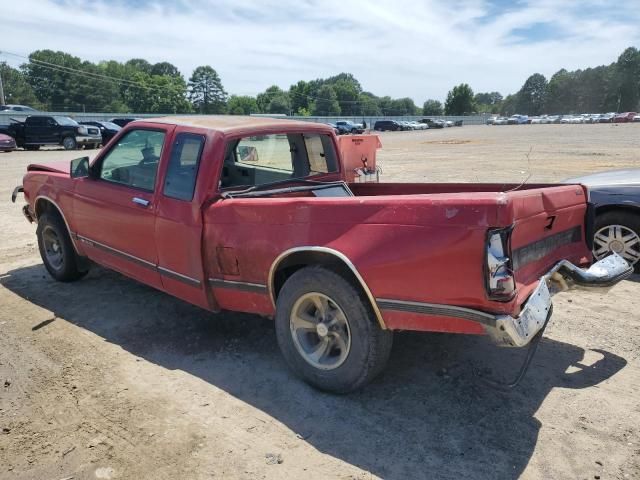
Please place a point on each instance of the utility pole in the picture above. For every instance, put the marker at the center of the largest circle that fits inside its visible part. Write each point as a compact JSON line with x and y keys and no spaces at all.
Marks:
{"x":1,"y":87}
{"x":1,"y":90}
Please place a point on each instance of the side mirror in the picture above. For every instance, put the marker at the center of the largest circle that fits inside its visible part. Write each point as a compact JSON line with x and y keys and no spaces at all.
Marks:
{"x":247,"y":153}
{"x":79,"y":167}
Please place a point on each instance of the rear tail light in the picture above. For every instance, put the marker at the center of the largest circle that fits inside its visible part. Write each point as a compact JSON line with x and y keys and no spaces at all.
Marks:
{"x":500,"y":283}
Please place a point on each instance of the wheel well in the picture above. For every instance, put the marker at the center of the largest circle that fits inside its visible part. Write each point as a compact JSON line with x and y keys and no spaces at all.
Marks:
{"x":307,"y":258}
{"x":45,"y":206}
{"x":617,"y":208}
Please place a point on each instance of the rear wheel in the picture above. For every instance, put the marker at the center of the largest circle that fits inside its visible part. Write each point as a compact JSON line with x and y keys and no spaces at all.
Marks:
{"x":56,"y":249}
{"x":69,"y":143}
{"x":618,"y":232}
{"x":328,"y":333}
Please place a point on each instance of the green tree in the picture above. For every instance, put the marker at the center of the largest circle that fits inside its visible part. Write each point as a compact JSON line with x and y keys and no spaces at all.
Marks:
{"x":509,"y":105}
{"x":326,"y":104}
{"x":63,"y":82}
{"x":168,"y":94}
{"x":206,"y":92}
{"x":561,"y":92}
{"x":139,"y":64}
{"x":385,"y":105}
{"x":404,"y":106}
{"x":279,"y":104}
{"x":16,"y":88}
{"x":369,"y":104}
{"x":533,"y":94}
{"x":348,"y":91}
{"x":460,"y":100}
{"x":274,"y":100}
{"x":165,"y":68}
{"x":628,"y":80}
{"x":299,"y":96}
{"x":242,"y":105}
{"x":432,"y":107}
{"x":488,"y":102}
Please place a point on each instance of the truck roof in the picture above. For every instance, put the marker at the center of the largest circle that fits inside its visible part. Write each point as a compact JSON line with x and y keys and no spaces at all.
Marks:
{"x":238,"y":123}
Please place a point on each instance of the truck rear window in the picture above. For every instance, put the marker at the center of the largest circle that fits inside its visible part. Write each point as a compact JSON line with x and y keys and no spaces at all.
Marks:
{"x":258,"y":160}
{"x":180,"y":179}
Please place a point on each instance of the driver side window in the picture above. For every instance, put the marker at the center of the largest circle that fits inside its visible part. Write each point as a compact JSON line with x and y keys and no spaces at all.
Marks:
{"x":134,"y":160}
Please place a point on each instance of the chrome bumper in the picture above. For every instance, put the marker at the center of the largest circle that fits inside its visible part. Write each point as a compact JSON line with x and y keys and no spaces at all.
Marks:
{"x":519,"y":331}
{"x":83,"y":139}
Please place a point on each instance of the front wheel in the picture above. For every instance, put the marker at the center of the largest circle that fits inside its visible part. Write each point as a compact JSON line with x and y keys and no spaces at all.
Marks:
{"x":56,"y":249}
{"x":328,"y":333}
{"x":69,"y":143}
{"x":618,"y":232}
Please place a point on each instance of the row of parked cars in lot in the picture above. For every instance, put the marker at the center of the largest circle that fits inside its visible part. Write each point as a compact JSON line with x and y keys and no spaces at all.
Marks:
{"x":424,"y":124}
{"x":626,"y":117}
{"x":42,"y":130}
{"x":347,"y":127}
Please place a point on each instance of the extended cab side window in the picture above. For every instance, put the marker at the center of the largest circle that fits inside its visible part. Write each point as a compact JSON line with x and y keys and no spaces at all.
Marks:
{"x":182,"y":171}
{"x":134,"y":160}
{"x":271,"y":158}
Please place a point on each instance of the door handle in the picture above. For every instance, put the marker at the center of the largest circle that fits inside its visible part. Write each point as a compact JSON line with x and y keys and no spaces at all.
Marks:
{"x":140,"y":201}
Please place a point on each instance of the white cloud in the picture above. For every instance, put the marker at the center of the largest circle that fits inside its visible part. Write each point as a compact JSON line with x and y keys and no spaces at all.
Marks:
{"x":403,"y":48}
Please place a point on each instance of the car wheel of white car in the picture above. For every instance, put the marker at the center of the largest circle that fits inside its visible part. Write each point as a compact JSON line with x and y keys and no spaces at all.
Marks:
{"x":328,"y":333}
{"x":618,"y":232}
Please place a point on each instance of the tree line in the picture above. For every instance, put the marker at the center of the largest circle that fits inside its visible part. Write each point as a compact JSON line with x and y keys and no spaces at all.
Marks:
{"x":58,"y":81}
{"x":607,"y":88}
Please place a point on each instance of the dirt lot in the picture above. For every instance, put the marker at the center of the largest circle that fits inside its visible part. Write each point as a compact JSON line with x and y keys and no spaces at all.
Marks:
{"x":106,"y":378}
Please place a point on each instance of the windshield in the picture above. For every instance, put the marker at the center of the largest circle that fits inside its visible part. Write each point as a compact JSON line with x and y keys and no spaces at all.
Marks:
{"x":111,"y":125}
{"x":66,"y":121}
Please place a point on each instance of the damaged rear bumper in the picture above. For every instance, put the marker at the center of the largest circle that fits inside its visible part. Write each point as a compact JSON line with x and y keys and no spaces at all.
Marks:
{"x":26,"y":209}
{"x":518,"y":331}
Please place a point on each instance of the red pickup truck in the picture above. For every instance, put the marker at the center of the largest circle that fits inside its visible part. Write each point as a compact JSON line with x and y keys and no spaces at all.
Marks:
{"x":254,"y":215}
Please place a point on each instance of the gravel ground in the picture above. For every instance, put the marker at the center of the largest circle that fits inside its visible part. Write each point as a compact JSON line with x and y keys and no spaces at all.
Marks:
{"x":109,"y":379}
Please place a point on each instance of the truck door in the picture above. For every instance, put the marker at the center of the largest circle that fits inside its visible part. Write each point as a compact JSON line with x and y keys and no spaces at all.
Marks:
{"x":115,"y":210}
{"x":34,"y":130}
{"x":178,"y":229}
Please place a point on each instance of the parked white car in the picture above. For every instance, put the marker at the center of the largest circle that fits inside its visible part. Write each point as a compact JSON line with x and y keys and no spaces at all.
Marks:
{"x":418,"y":126}
{"x":518,"y":120}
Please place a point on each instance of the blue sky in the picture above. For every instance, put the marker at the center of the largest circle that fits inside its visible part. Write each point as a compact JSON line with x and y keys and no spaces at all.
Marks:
{"x":398,"y":48}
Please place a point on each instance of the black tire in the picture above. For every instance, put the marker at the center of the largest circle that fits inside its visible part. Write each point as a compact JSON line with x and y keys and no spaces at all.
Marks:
{"x":627,"y":220}
{"x":68,"y":270}
{"x":69,"y":143}
{"x":32,"y":148}
{"x":370,"y":346}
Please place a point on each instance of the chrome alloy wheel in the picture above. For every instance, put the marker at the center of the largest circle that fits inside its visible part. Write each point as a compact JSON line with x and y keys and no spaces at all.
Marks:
{"x":53,"y":248}
{"x":320,"y":331}
{"x":619,"y":239}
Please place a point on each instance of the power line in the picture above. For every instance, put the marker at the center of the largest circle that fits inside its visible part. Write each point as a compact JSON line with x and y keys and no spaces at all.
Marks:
{"x":91,"y":75}
{"x":126,"y":82}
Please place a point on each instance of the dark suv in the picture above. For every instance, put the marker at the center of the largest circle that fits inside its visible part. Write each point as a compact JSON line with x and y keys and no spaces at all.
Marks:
{"x":38,"y":130}
{"x":382,"y":125}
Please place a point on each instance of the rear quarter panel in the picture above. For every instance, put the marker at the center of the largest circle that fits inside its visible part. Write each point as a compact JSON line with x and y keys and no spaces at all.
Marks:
{"x":424,"y":249}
